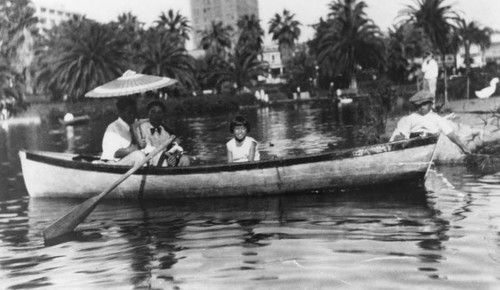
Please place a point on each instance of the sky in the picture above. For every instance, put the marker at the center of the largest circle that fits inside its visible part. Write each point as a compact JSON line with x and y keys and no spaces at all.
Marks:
{"x":383,"y":12}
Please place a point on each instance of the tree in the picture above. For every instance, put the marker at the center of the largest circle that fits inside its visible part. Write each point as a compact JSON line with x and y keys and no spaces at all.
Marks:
{"x":286,"y":31}
{"x":250,"y":34}
{"x":470,"y":33}
{"x":301,"y":71}
{"x":437,"y":20}
{"x":8,"y":87}
{"x":239,"y":70}
{"x":176,"y":24}
{"x":129,"y":30}
{"x":351,"y":42}
{"x":217,"y":38}
{"x":79,"y":56}
{"x":405,"y":43}
{"x":161,"y":55}
{"x":18,"y":33}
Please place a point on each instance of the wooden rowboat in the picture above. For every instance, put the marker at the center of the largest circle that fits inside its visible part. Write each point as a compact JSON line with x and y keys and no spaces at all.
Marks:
{"x":51,"y":174}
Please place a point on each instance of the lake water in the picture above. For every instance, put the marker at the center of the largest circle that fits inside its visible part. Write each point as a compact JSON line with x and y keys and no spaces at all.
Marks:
{"x":447,"y":237}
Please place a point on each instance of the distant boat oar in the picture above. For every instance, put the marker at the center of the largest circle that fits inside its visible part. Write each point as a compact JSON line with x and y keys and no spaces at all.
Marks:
{"x":72,"y":219}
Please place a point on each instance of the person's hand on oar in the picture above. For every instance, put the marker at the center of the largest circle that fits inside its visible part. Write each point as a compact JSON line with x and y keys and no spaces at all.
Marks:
{"x":72,"y":219}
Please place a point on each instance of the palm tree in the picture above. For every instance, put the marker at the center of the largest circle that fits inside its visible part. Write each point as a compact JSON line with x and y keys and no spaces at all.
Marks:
{"x":286,"y":31}
{"x":177,"y":24}
{"x":467,"y":34}
{"x":217,"y":38}
{"x":129,"y":30}
{"x":301,"y":70}
{"x":240,"y":70}
{"x":470,"y":33}
{"x":352,"y":41}
{"x":8,"y":87}
{"x":250,"y":34}
{"x":82,"y":55}
{"x":405,"y":43}
{"x":163,"y":57}
{"x":18,"y":33}
{"x":437,"y":20}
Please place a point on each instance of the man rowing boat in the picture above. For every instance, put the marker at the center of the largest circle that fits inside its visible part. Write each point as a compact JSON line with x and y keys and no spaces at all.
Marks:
{"x":424,"y":121}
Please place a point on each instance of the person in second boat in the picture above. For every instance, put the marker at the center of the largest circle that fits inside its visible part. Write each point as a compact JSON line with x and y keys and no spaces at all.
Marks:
{"x":241,"y":148}
{"x":425,"y":122}
{"x":155,"y":134}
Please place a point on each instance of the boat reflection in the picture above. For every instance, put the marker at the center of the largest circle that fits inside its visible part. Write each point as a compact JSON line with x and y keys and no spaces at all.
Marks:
{"x":157,"y":242}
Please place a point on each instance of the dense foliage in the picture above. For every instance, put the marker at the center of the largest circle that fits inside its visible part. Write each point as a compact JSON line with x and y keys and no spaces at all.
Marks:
{"x":348,"y":50}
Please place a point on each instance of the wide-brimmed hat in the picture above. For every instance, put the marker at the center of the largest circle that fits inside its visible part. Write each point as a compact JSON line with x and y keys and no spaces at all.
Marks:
{"x":421,"y":97}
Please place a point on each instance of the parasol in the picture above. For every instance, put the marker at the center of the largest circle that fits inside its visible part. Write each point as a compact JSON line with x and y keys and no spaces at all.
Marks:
{"x":130,"y":83}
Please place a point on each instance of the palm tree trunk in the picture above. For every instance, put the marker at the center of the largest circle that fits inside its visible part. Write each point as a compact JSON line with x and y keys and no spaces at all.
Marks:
{"x":445,"y":76}
{"x":468,"y":84}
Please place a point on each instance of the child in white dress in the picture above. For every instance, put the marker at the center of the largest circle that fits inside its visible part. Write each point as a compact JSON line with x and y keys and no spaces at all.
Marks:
{"x":241,"y":148}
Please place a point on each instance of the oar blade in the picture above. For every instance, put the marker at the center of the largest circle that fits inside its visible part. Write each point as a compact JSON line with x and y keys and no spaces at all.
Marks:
{"x":71,"y":220}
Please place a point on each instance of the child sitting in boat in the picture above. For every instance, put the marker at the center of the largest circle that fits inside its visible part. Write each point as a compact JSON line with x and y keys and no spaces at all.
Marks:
{"x":241,"y":148}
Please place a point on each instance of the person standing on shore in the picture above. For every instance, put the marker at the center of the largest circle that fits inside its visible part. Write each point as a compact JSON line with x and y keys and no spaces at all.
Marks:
{"x":430,"y":70}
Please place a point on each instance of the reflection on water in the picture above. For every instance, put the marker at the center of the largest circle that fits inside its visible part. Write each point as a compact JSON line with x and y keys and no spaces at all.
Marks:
{"x":266,"y":242}
{"x":445,"y":238}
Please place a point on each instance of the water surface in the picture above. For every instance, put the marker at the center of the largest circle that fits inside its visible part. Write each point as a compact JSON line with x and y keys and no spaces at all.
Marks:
{"x":446,"y":237}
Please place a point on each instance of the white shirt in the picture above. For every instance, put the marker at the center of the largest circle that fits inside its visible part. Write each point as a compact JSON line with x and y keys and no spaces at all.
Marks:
{"x":240,"y":153}
{"x":430,"y":123}
{"x":430,"y":69}
{"x":152,"y":140}
{"x":117,"y":136}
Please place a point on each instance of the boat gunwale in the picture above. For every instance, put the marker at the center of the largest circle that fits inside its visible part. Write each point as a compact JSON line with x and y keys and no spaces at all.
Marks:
{"x":340,"y":154}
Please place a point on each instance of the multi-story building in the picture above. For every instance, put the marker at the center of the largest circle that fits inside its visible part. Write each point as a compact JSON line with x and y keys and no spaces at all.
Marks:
{"x":203,"y":12}
{"x":492,"y":54}
{"x":49,"y":16}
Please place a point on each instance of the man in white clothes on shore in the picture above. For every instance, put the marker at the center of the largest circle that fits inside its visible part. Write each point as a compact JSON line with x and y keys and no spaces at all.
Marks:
{"x":430,"y":70}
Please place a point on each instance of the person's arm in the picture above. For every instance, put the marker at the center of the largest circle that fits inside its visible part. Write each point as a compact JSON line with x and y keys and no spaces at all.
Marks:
{"x":113,"y":145}
{"x":138,"y":136}
{"x":122,"y":152}
{"x":425,"y":65}
{"x":447,"y":128}
{"x":251,"y":153}
{"x":454,"y":138}
{"x":229,"y":154}
{"x":402,"y":130}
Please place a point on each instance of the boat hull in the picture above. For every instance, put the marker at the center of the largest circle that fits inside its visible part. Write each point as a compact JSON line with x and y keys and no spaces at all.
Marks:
{"x":49,"y":174}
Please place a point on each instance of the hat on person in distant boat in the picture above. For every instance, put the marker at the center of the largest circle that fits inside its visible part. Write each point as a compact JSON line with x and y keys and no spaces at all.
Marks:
{"x":421,"y":97}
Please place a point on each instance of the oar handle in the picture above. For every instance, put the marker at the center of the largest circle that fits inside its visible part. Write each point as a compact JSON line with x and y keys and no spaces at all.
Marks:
{"x":72,"y":219}
{"x":136,"y":167}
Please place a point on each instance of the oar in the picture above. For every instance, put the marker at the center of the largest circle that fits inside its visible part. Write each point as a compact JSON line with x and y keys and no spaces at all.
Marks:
{"x":432,"y":157}
{"x":72,"y":219}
